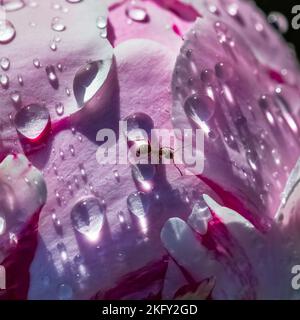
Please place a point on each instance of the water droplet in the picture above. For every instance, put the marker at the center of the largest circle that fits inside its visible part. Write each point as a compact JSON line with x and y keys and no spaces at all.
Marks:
{"x":88,"y":217}
{"x":4,"y":63}
{"x":138,"y":203}
{"x":278,"y":21}
{"x":36,"y":63}
{"x":207,"y":76}
{"x":16,"y":98}
{"x":32,"y":121}
{"x":199,"y":108}
{"x":20,"y":80}
{"x":7,"y":31}
{"x":4,"y":81}
{"x":138,"y":121}
{"x":60,"y":67}
{"x":101,"y":22}
{"x":53,"y":46}
{"x":223,"y":70}
{"x":82,"y":172}
{"x":200,"y":217}
{"x":2,"y":225}
{"x":65,"y":292}
{"x":144,"y":174}
{"x":116,"y":175}
{"x":74,"y":1}
{"x":12,"y":5}
{"x":51,"y":73}
{"x":59,"y":108}
{"x":72,"y":150}
{"x":137,"y":13}
{"x":57,"y":24}
{"x":89,"y":79}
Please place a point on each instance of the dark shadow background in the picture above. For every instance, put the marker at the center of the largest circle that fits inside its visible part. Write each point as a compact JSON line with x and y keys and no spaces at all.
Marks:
{"x":284,"y":7}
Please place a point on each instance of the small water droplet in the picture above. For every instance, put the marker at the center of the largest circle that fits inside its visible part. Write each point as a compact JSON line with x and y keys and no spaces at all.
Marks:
{"x":137,"y":13}
{"x":72,"y":150}
{"x":223,"y":70}
{"x":20,"y":80}
{"x":59,"y":108}
{"x":60,"y":67}
{"x":52,"y":77}
{"x":4,"y":63}
{"x":138,"y":203}
{"x":7,"y":31}
{"x":37,"y":63}
{"x":53,"y":45}
{"x":2,"y":225}
{"x":16,"y":98}
{"x":74,"y":1}
{"x":88,"y":217}
{"x":32,"y":121}
{"x":65,"y":292}
{"x":57,"y":24}
{"x":4,"y":81}
{"x":101,"y":22}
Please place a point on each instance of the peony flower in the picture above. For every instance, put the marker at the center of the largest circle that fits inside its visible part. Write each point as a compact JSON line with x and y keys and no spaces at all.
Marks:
{"x":121,"y":231}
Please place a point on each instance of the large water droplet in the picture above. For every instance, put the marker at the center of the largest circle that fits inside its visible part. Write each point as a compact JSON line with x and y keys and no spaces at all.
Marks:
{"x":12,"y":5}
{"x":137,"y":13}
{"x":87,"y":217}
{"x":32,"y":121}
{"x":7,"y":31}
{"x":138,"y":203}
{"x":89,"y":79}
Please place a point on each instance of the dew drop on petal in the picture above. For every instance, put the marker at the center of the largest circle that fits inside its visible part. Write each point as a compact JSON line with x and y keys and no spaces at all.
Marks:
{"x":137,"y":13}
{"x":89,"y":79}
{"x":12,"y":5}
{"x":65,"y":292}
{"x":88,"y":217}
{"x":4,"y":63}
{"x":59,"y":108}
{"x":200,"y":217}
{"x":73,"y":1}
{"x":7,"y":31}
{"x":138,"y":203}
{"x":101,"y":22}
{"x":57,"y":24}
{"x":2,"y":225}
{"x":32,"y":121}
{"x":4,"y":81}
{"x":199,"y":108}
{"x":36,"y":63}
{"x":278,"y":21}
